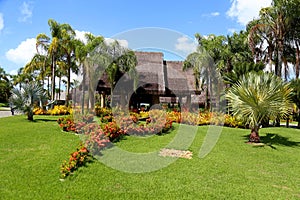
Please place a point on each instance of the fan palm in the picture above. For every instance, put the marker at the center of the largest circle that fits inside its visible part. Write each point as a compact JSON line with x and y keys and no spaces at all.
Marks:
{"x":25,"y":98}
{"x":257,"y":96}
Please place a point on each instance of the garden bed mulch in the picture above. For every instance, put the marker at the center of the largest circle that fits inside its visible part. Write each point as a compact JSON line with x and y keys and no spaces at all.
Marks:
{"x":176,"y":153}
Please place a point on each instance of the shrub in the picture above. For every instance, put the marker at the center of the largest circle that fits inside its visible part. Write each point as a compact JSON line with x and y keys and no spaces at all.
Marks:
{"x":102,"y":112}
{"x":232,"y":121}
{"x":67,"y":123}
{"x":95,"y":138}
{"x":174,"y":116}
{"x":189,"y":118}
{"x":144,"y":114}
{"x":60,"y":110}
{"x":77,"y":159}
{"x":113,"y":131}
{"x":39,"y":111}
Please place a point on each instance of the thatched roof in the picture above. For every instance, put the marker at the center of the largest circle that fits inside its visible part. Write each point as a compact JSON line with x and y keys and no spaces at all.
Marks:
{"x":160,"y":77}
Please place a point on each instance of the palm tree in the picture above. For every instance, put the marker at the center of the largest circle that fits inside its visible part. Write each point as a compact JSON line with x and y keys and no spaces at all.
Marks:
{"x":269,"y":35}
{"x":39,"y":64}
{"x":238,"y":71}
{"x":295,"y":84}
{"x":5,"y":86}
{"x":258,"y":96}
{"x":24,"y":99}
{"x":21,"y":77}
{"x":53,"y":46}
{"x":68,"y":50}
{"x":203,"y":69}
{"x":82,"y":52}
{"x":116,"y":62}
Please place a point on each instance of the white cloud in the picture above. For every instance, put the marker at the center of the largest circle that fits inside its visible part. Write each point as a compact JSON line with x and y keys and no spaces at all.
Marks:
{"x":185,"y":44}
{"x":80,"y":35}
{"x":214,"y":14}
{"x":26,"y":12}
{"x":231,"y":30}
{"x":246,"y":10}
{"x":13,"y":72}
{"x":123,"y":43}
{"x":1,"y":21}
{"x":23,"y":53}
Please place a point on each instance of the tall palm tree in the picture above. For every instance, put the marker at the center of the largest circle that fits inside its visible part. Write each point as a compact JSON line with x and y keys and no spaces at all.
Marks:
{"x":117,"y":61}
{"x":21,"y":77}
{"x":5,"y":86}
{"x":52,"y":46}
{"x":39,"y":64}
{"x":295,"y":84}
{"x":68,"y":50}
{"x":271,"y":30}
{"x":82,"y":53}
{"x":203,"y":69}
{"x":25,"y":98}
{"x":257,"y":96}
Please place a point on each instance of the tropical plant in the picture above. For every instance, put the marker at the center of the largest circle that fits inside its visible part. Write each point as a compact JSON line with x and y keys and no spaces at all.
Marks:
{"x":25,"y":99}
{"x":83,"y":53}
{"x":239,"y":70}
{"x":53,"y":46}
{"x":5,"y":86}
{"x":258,"y":96}
{"x":274,"y":32}
{"x":21,"y":77}
{"x":115,"y":60}
{"x":203,"y":69}
{"x":77,"y":159}
{"x":295,"y":84}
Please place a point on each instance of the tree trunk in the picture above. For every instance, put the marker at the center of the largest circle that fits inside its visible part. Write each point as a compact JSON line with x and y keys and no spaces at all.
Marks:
{"x":68,"y":87}
{"x":48,"y":86}
{"x":277,"y":122}
{"x":68,"y":81}
{"x":83,"y":90}
{"x":298,"y":117}
{"x":53,"y":78}
{"x":297,"y":64}
{"x":254,"y":136}
{"x":92,"y":99}
{"x":59,"y":86}
{"x":30,"y":116}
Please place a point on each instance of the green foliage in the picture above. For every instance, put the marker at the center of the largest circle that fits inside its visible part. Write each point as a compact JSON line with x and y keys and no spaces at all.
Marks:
{"x":27,"y":97}
{"x":5,"y":86}
{"x":295,"y":85}
{"x":256,"y":97}
{"x":77,"y":159}
{"x":240,"y":70}
{"x":67,"y":123}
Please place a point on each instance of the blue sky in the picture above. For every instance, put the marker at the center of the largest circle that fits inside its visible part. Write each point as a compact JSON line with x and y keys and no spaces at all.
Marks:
{"x":21,"y":21}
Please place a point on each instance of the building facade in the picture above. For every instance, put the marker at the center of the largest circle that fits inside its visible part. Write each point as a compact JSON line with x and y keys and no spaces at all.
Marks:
{"x":159,"y":82}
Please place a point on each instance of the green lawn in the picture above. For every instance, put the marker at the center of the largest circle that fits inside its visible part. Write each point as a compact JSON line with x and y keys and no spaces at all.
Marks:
{"x":4,"y":109}
{"x":31,"y":154}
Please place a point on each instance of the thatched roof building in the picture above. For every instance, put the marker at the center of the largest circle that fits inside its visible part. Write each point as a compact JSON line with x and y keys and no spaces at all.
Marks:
{"x":159,"y":81}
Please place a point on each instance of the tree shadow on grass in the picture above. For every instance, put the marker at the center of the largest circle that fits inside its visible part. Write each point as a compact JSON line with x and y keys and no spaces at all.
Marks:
{"x":271,"y":139}
{"x":45,"y":120}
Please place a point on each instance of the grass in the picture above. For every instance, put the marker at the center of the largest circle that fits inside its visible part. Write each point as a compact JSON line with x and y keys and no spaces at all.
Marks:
{"x":31,"y":154}
{"x":4,"y":109}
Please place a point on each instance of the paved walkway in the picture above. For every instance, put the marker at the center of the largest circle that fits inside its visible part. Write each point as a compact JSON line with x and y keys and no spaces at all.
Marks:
{"x":5,"y":113}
